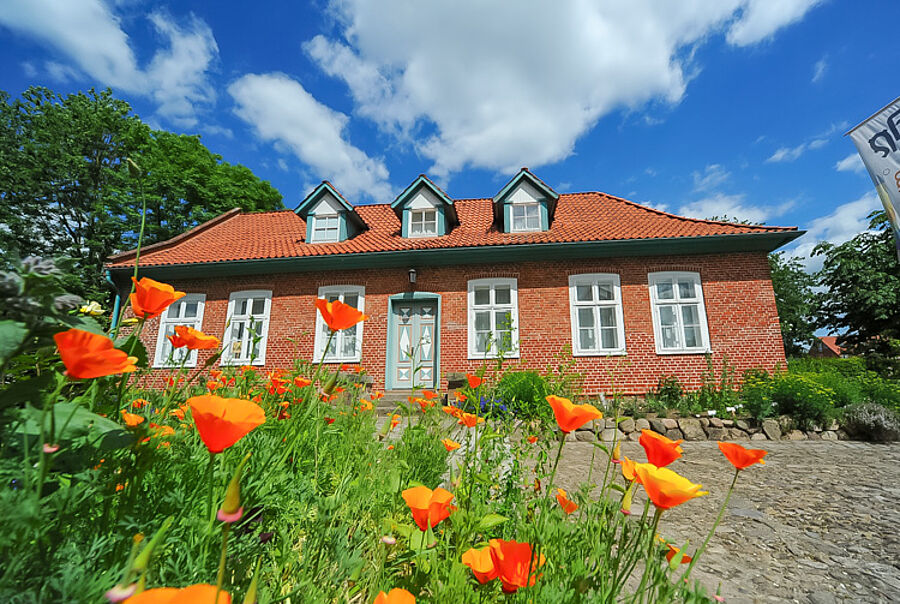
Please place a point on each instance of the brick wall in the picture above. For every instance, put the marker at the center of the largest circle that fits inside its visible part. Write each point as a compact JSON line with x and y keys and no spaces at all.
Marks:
{"x":740,"y":307}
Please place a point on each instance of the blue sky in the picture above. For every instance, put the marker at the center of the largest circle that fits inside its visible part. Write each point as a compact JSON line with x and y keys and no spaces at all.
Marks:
{"x":702,"y":108}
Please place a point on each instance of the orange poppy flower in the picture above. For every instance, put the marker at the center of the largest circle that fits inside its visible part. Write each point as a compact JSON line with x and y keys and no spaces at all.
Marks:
{"x":131,"y":419}
{"x":460,"y":397}
{"x":89,"y":355}
{"x":192,"y":338}
{"x":139,"y":402}
{"x":301,"y":382}
{"x":213,"y":385}
{"x":512,"y":561}
{"x":481,"y":563}
{"x":674,"y":550}
{"x":338,"y":315}
{"x":565,"y":503}
{"x":395,"y":596}
{"x":395,"y":421}
{"x":195,"y":594}
{"x":451,"y":410}
{"x":377,"y":395}
{"x":179,"y":412}
{"x":222,"y":422}
{"x":660,"y":450}
{"x":532,"y":439}
{"x":450,"y":445}
{"x":428,"y":507}
{"x":151,"y":298}
{"x":570,"y":416}
{"x":430,"y":395}
{"x":469,"y":420}
{"x":628,"y":469}
{"x":365,"y":405}
{"x":740,"y":457}
{"x":665,"y":488}
{"x":474,"y":380}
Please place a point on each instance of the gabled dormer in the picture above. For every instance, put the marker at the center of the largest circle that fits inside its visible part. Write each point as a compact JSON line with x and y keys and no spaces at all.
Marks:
{"x":525,"y":205}
{"x":424,"y":210}
{"x":329,"y":217}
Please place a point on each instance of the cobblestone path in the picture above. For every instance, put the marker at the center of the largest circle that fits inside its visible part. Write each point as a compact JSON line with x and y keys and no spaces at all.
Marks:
{"x":819,"y":523}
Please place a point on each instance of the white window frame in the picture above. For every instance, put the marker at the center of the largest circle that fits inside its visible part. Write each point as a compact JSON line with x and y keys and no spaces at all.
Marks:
{"x":525,"y":206}
{"x":321,"y":331}
{"x":320,"y":234}
{"x":492,"y":307}
{"x":227,"y":357}
{"x":654,"y":279}
{"x":594,"y":279}
{"x":423,"y":219}
{"x":162,"y":357}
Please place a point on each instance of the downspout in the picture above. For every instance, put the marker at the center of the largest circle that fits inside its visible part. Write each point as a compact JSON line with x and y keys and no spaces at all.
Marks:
{"x":117,"y":303}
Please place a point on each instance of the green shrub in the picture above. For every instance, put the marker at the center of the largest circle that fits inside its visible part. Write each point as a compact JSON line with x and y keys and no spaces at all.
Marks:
{"x":803,"y":398}
{"x":756,"y":393}
{"x":870,"y":421}
{"x":668,"y":392}
{"x":717,"y":393}
{"x":525,"y":394}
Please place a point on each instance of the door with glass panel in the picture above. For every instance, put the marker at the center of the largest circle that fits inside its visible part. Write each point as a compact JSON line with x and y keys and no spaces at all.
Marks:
{"x":414,"y":344}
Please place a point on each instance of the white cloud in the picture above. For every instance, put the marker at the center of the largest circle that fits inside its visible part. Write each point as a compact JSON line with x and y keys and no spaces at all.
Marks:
{"x":90,"y":35}
{"x":787,"y":154}
{"x":819,"y":69}
{"x":841,"y":225}
{"x":283,"y":112}
{"x":713,"y":176}
{"x":851,"y":163}
{"x":732,"y":206}
{"x":760,"y":19}
{"x":498,"y":86}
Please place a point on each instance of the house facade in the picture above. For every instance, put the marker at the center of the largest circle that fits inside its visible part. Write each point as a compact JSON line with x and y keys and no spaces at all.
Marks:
{"x":626,"y":292}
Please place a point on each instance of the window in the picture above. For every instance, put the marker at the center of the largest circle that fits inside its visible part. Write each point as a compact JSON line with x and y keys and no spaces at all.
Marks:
{"x":526,"y":217}
{"x":247,"y":328}
{"x":325,"y":229}
{"x":679,"y":317}
{"x":596,"y":307}
{"x":423,"y":223}
{"x":346,"y":345}
{"x":186,"y":311}
{"x":493,"y":318}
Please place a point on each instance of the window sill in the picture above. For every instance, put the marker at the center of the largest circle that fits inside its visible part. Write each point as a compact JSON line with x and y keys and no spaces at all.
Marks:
{"x":173,"y":366}
{"x":684,"y":351}
{"x":492,"y":357}
{"x":600,"y":353}
{"x":240,"y":363}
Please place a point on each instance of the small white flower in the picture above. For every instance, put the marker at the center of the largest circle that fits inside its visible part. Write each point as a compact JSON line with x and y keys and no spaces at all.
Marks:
{"x":711,"y":413}
{"x":730,"y":409}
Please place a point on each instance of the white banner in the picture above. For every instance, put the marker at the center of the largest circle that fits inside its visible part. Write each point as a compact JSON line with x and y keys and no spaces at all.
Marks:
{"x":878,"y":142}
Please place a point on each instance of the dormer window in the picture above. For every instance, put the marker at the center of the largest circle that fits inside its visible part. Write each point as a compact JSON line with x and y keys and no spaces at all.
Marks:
{"x":325,"y":229}
{"x":526,"y":217}
{"x":423,"y":223}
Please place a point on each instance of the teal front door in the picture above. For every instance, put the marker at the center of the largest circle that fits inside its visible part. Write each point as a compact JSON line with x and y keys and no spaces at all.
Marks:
{"x":414,"y":344}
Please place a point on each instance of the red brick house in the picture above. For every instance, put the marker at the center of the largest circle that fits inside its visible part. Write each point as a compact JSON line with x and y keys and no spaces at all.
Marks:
{"x":632,"y":293}
{"x":826,"y":347}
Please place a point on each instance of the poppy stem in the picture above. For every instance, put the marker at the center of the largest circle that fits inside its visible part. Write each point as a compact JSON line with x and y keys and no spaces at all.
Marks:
{"x":220,"y":577}
{"x":562,"y":441}
{"x":648,"y":563}
{"x":209,"y":485}
{"x":715,"y":525}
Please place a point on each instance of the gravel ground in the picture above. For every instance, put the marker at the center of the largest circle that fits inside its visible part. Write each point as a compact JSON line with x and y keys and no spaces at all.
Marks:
{"x":817,"y":524}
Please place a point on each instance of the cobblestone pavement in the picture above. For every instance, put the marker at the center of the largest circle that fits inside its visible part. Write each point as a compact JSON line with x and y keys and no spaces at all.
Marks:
{"x":819,"y":523}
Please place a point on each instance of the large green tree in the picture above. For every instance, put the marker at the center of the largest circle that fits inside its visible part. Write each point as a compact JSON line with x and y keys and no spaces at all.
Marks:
{"x":65,"y":189}
{"x":796,"y":302}
{"x":861,"y":297}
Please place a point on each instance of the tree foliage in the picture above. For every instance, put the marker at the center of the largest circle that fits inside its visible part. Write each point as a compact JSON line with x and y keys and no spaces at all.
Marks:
{"x":66,"y":191}
{"x":796,"y":302}
{"x":861,"y":278}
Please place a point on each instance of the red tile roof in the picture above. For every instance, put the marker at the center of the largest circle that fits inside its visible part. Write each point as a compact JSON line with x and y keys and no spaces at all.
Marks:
{"x":580,"y":217}
{"x":831,"y":343}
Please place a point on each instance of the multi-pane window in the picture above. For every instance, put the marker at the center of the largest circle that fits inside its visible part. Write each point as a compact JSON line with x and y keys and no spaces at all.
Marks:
{"x":493,"y":318}
{"x":346,"y":345}
{"x":186,"y":311}
{"x":247,"y":328}
{"x":596,"y":306}
{"x":423,"y":223}
{"x":325,"y":229}
{"x":679,"y":317}
{"x":526,"y":217}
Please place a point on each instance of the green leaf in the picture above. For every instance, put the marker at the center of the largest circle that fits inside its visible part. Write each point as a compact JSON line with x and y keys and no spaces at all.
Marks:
{"x":12,"y":334}
{"x":489,"y":521}
{"x":83,"y":423}
{"x":31,"y":391}
{"x":135,"y":348}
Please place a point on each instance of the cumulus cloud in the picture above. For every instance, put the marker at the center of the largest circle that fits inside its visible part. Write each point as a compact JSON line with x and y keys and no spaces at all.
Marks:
{"x":498,"y":85}
{"x":851,"y":163}
{"x":282,"y":112}
{"x":90,"y":37}
{"x":734,"y":207}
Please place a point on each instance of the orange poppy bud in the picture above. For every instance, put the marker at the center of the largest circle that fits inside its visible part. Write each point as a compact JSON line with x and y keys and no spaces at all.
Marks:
{"x":469,"y":420}
{"x":570,"y":416}
{"x":512,"y":561}
{"x":450,"y":445}
{"x":395,"y":596}
{"x":89,"y":355}
{"x":232,"y":510}
{"x":474,"y":380}
{"x":222,"y":422}
{"x":617,"y":453}
{"x":567,"y":505}
{"x":428,"y":507}
{"x":660,"y":450}
{"x":338,"y":315}
{"x":192,"y":338}
{"x":740,"y":457}
{"x":627,"y":499}
{"x":131,"y":419}
{"x":395,"y":420}
{"x":481,"y":563}
{"x":151,"y":298}
{"x":665,"y":488}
